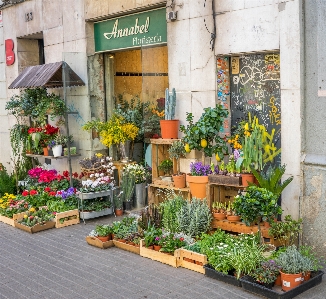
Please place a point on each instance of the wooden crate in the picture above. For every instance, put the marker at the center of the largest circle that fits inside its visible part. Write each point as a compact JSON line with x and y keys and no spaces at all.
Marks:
{"x":11,"y":221}
{"x":224,"y":180}
{"x":156,"y":192}
{"x":240,"y":227}
{"x":160,"y":153}
{"x":98,"y":243}
{"x":72,"y":214}
{"x":127,"y":247}
{"x":171,"y":260}
{"x":200,"y":258}
{"x":36,"y":228}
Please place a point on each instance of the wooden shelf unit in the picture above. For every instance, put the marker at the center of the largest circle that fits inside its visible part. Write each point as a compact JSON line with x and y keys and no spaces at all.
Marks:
{"x":155,"y":192}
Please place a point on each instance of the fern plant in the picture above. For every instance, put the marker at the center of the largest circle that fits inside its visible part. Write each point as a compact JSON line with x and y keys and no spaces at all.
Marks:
{"x":271,"y":179}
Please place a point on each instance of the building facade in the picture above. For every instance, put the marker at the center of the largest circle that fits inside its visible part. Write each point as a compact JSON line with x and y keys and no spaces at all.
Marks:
{"x":249,"y":55}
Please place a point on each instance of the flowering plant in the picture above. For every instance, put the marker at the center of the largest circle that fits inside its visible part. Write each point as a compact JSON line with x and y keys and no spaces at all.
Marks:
{"x":41,"y":216}
{"x":267,"y":272}
{"x":41,"y":136}
{"x":140,"y":173}
{"x":100,"y":183}
{"x":9,"y":205}
{"x":60,"y":139}
{"x":171,"y":242}
{"x":199,"y":169}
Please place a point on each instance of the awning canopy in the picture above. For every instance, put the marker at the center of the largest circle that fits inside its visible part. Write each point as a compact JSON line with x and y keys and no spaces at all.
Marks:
{"x":46,"y":75}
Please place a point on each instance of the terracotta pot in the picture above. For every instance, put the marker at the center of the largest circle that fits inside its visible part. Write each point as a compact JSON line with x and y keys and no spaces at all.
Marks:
{"x":233,"y":218}
{"x":169,"y":128}
{"x":290,"y":281}
{"x":122,"y":240}
{"x":179,"y":181}
{"x":157,"y":247}
{"x":306,"y":276}
{"x":29,"y":152}
{"x":45,"y":151}
{"x":278,"y":281}
{"x":219,"y":216}
{"x":104,"y":239}
{"x":150,"y":247}
{"x":247,"y":177}
{"x":118,"y":212}
{"x":197,"y":185}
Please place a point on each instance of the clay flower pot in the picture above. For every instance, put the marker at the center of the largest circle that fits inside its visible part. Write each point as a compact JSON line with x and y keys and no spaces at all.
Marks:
{"x":169,"y":128}
{"x":219,"y":216}
{"x":290,"y":281}
{"x":197,"y":185}
{"x":179,"y":181}
{"x":233,"y":218}
{"x":247,"y":177}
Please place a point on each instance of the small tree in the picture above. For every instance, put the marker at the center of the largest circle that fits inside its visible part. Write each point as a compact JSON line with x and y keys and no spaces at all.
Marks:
{"x":177,"y":151}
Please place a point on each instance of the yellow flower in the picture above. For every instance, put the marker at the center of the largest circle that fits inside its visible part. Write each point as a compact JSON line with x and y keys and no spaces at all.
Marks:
{"x":99,"y":155}
{"x":246,"y":127}
{"x":32,"y":210}
{"x":25,"y":216}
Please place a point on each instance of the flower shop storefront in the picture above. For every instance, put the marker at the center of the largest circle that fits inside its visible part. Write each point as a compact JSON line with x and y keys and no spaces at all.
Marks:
{"x":135,"y":67}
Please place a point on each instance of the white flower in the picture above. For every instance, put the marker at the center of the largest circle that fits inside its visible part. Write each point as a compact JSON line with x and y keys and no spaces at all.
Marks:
{"x":92,"y":175}
{"x":102,"y":160}
{"x":97,"y":175}
{"x":101,"y":174}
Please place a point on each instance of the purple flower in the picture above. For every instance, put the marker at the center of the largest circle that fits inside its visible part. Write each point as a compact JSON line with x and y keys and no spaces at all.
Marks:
{"x":236,"y":154}
{"x":199,"y":169}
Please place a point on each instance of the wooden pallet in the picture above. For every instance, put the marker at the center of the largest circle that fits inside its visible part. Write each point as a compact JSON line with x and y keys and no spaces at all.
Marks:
{"x":11,"y":221}
{"x":240,"y":227}
{"x":98,"y":243}
{"x":72,"y":214}
{"x":171,"y":260}
{"x":155,"y":193}
{"x":197,"y":257}
{"x":36,"y":228}
{"x":127,"y":247}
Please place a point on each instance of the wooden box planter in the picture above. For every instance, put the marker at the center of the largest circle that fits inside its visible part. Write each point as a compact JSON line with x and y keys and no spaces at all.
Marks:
{"x":171,"y":260}
{"x":199,"y":260}
{"x":225,"y":180}
{"x":72,"y":215}
{"x":127,"y":247}
{"x":250,"y":285}
{"x":230,"y":279}
{"x":11,"y":221}
{"x":98,"y":243}
{"x":36,"y":228}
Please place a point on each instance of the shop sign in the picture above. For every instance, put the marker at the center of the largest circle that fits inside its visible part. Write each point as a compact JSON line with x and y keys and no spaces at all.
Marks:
{"x":10,"y":54}
{"x":132,"y":31}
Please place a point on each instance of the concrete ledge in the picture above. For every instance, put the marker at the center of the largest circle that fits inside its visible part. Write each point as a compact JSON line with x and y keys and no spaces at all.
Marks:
{"x":312,"y":159}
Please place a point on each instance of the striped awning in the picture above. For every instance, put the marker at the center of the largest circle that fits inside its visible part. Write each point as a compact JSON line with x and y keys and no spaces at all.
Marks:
{"x":46,"y":75}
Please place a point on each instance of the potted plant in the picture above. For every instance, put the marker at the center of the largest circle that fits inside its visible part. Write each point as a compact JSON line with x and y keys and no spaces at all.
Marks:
{"x":256,"y":204}
{"x":166,"y":166}
{"x":219,"y":210}
{"x":127,"y":188}
{"x":177,"y":151}
{"x":116,"y":131}
{"x":266,"y":273}
{"x":286,"y":231}
{"x":169,"y":126}
{"x":204,"y":135}
{"x":103,"y":232}
{"x":292,"y":264}
{"x":58,"y":143}
{"x":198,"y":179}
{"x":118,"y":204}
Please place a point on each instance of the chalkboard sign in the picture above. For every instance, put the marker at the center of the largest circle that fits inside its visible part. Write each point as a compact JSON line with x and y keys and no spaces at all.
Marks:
{"x":255,"y":88}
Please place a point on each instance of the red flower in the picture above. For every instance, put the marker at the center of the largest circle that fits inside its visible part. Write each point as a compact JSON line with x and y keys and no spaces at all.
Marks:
{"x":25,"y":193}
{"x":33,"y":192}
{"x":75,"y":175}
{"x":50,"y":130}
{"x":31,"y":217}
{"x":59,"y":177}
{"x":181,"y":239}
{"x":52,"y":193}
{"x":59,"y":192}
{"x":54,"y":213}
{"x":47,"y":189}
{"x":66,"y":173}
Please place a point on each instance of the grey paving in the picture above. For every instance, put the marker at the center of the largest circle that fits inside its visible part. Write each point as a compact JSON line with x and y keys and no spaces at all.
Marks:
{"x":59,"y":264}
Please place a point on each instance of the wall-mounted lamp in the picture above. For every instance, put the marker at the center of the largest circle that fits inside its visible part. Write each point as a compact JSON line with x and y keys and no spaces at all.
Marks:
{"x":172,"y":15}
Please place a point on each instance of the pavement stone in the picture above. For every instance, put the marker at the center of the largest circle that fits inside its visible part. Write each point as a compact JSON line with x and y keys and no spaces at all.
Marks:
{"x":59,"y":264}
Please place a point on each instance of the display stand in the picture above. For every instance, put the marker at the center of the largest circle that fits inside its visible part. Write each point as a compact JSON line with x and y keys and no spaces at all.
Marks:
{"x":92,"y":195}
{"x":160,"y":153}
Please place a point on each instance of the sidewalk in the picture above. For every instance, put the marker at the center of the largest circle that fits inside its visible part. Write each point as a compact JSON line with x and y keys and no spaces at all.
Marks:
{"x":59,"y":264}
